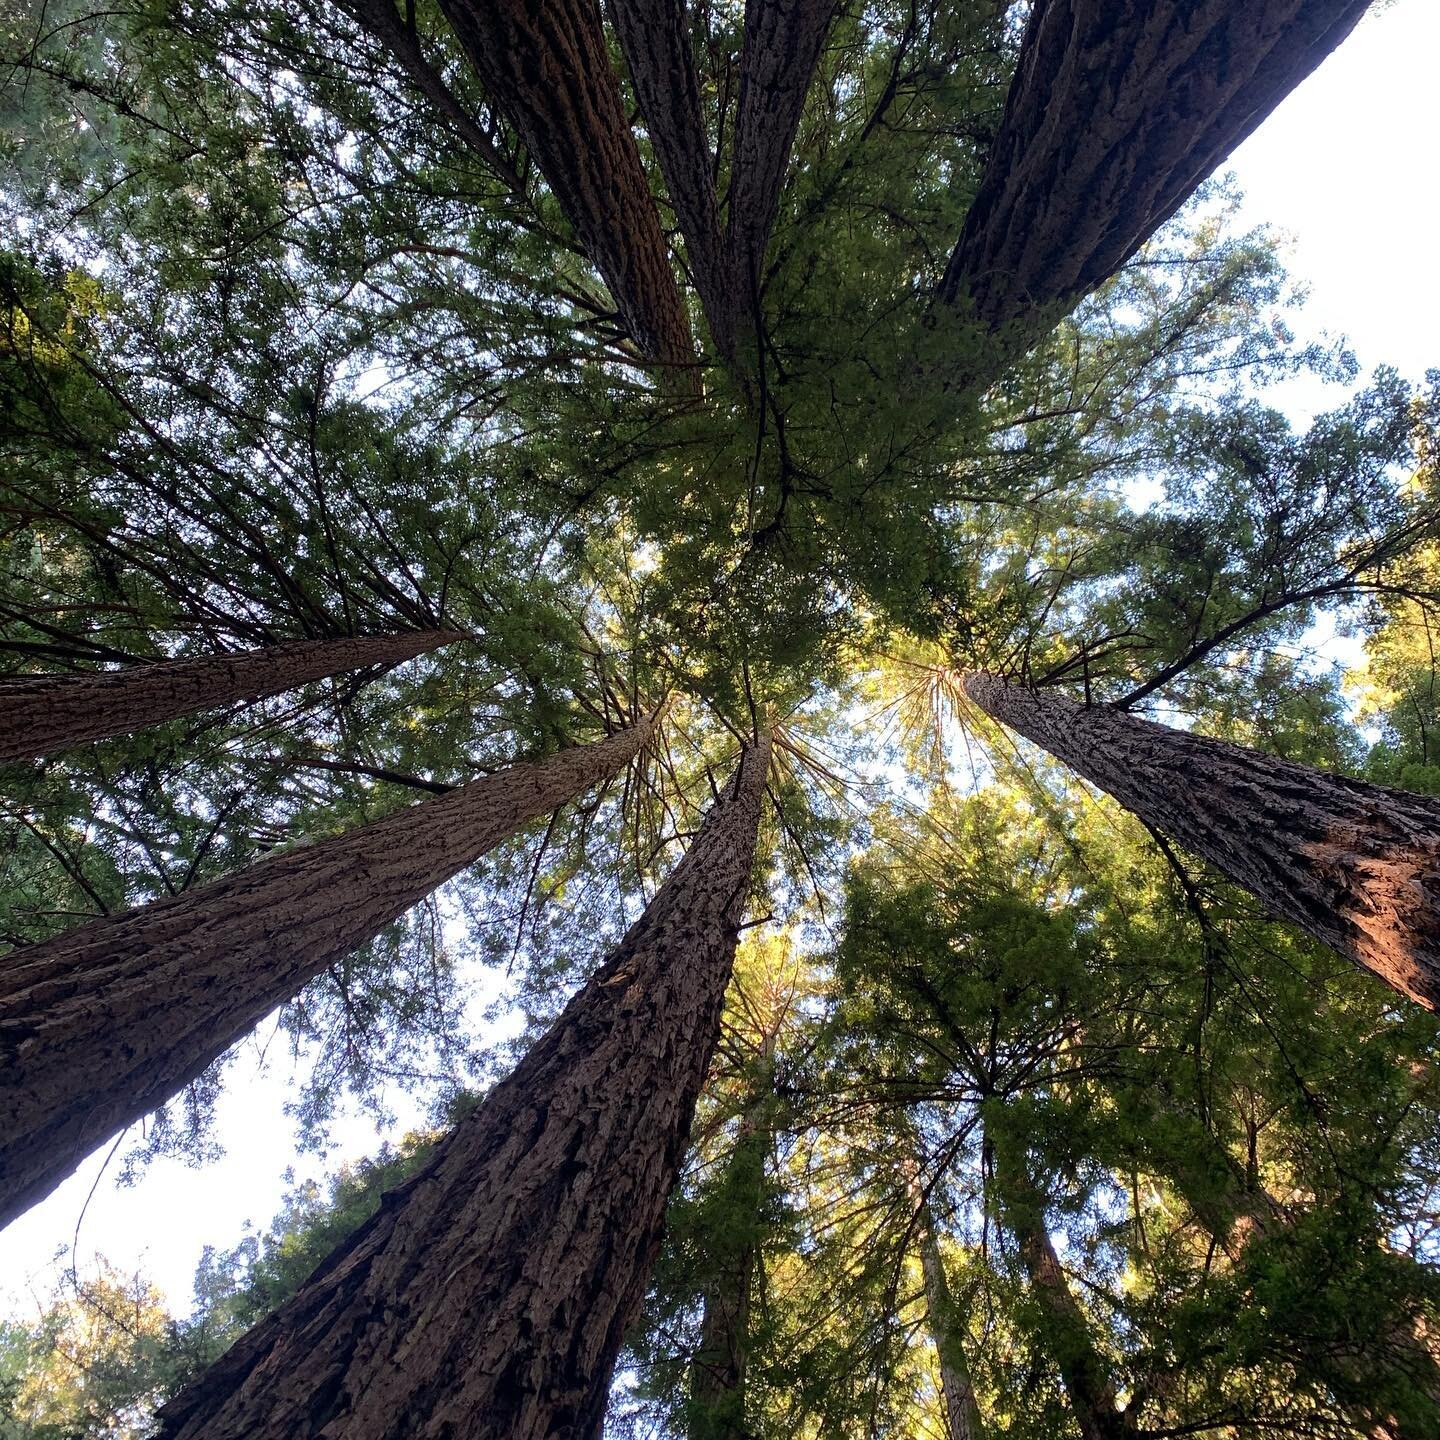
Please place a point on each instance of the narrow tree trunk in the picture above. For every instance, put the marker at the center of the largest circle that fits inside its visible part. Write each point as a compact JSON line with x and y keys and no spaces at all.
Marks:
{"x":40,"y":714}
{"x":962,"y":1409}
{"x":1356,"y":866}
{"x":655,"y":36}
{"x":1117,"y":111}
{"x":783,"y":40}
{"x":717,"y":1372}
{"x":489,"y":1295}
{"x":546,"y":67}
{"x":1067,"y":1331}
{"x":100,"y":1026}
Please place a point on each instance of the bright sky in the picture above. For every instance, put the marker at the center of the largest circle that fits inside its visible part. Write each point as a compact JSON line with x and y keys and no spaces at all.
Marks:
{"x":1344,"y":167}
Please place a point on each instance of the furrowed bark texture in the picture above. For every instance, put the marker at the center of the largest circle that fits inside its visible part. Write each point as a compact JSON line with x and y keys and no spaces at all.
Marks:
{"x":782,"y":44}
{"x":781,"y":49}
{"x":717,"y":1372}
{"x":488,"y":1296}
{"x":962,"y":1409}
{"x":102,"y":1025}
{"x":655,"y":36}
{"x":546,"y":67}
{"x":1356,"y":866}
{"x":1067,"y":1331}
{"x":1117,"y":111}
{"x":40,"y":714}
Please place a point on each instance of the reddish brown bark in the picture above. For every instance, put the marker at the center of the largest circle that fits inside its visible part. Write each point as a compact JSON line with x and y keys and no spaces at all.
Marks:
{"x":101,"y":1025}
{"x":546,"y":67}
{"x":40,"y":714}
{"x":1118,"y":109}
{"x":489,"y":1294}
{"x":1356,"y":866}
{"x":1066,"y":1330}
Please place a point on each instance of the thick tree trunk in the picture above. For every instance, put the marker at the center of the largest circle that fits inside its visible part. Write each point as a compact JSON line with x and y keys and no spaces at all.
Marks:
{"x":962,"y":1409}
{"x":1356,"y":866}
{"x":546,"y":67}
{"x":102,"y":1025}
{"x":1084,"y":1373}
{"x":489,"y":1295}
{"x":40,"y":714}
{"x":1117,"y":111}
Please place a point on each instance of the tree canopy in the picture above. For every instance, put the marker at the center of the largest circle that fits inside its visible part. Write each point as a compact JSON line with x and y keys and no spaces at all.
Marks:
{"x":782,"y":378}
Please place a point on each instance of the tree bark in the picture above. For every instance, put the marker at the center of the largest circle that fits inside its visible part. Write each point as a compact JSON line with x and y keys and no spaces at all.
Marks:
{"x":1082,"y":1369}
{"x":1356,"y":866}
{"x":40,"y":714}
{"x":100,"y":1026}
{"x":783,"y":40}
{"x":718,"y":1369}
{"x":489,"y":1295}
{"x":780,"y":51}
{"x":962,"y":1408}
{"x":546,"y":67}
{"x":1117,"y":111}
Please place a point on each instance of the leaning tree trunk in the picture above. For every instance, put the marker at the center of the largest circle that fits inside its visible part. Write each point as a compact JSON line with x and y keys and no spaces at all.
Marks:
{"x":1066,"y":1330}
{"x":100,"y":1026}
{"x":40,"y":714}
{"x":489,"y":1295}
{"x":546,"y":67}
{"x":962,"y":1408}
{"x":1117,"y":111}
{"x":1355,"y":865}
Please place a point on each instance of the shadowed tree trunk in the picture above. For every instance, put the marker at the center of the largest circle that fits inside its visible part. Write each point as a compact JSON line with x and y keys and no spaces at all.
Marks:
{"x":398,"y":35}
{"x":546,"y":67}
{"x":40,"y":714}
{"x":100,"y":1026}
{"x":1356,"y":866}
{"x":783,"y":39}
{"x":717,"y":1372}
{"x":489,"y":1295}
{"x":781,"y":48}
{"x":1066,"y":1330}
{"x":1117,"y":111}
{"x":962,"y":1409}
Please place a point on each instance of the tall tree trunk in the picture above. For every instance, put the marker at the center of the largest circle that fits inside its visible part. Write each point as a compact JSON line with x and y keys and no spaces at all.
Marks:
{"x":398,"y":35}
{"x":717,"y":1372}
{"x":779,"y":53}
{"x":100,"y":1026}
{"x":546,"y":67}
{"x":1067,"y":1331}
{"x":962,"y":1409}
{"x":40,"y":714}
{"x":1118,"y":109}
{"x":1355,"y":865}
{"x":489,"y":1295}
{"x":783,"y":40}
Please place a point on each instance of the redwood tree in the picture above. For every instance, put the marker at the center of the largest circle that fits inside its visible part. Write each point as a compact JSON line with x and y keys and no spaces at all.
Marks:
{"x":101,"y":1025}
{"x":1117,"y":111}
{"x":1357,"y":866}
{"x":40,"y":714}
{"x":489,"y":1294}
